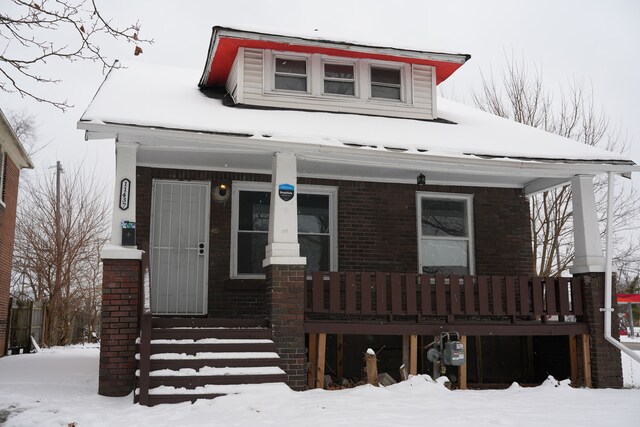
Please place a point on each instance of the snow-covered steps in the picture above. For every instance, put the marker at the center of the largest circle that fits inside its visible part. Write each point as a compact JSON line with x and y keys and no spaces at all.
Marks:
{"x":190,"y":356}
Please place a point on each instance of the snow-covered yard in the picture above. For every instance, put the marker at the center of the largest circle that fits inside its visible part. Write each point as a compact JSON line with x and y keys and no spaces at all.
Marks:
{"x":58,"y":386}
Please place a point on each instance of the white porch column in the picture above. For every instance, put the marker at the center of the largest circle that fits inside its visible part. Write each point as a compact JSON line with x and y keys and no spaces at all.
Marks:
{"x":589,"y":257}
{"x":124,"y":201}
{"x":283,"y":247}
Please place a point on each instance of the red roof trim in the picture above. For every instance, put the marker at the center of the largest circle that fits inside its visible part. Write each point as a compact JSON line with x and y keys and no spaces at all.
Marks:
{"x":227,"y":49}
{"x":633,"y":298}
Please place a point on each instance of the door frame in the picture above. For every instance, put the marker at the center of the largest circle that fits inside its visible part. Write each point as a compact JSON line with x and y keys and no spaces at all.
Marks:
{"x":207,"y":219}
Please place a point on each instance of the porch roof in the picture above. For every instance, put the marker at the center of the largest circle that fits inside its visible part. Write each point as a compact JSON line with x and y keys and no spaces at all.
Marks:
{"x":162,"y":109}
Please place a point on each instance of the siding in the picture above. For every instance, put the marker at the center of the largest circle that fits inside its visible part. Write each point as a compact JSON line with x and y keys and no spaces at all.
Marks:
{"x":232,"y":80}
{"x":253,"y":93}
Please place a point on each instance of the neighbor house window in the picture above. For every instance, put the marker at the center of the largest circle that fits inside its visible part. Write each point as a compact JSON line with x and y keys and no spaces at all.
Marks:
{"x":339,"y":79}
{"x":291,"y":74}
{"x":386,"y":83}
{"x":445,"y":228}
{"x":316,"y":227}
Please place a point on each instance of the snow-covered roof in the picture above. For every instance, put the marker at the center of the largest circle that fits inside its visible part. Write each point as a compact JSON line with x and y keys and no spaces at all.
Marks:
{"x":168,"y":97}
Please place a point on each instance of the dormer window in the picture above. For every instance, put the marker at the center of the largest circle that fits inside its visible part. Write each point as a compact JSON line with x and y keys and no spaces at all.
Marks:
{"x":386,"y":83}
{"x":339,"y":79}
{"x":291,"y":74}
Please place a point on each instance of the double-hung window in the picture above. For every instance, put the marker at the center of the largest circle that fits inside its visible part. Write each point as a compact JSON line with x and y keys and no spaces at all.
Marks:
{"x":386,"y":83}
{"x":445,"y":229}
{"x":291,"y":74}
{"x":339,"y":79}
{"x":250,"y":225}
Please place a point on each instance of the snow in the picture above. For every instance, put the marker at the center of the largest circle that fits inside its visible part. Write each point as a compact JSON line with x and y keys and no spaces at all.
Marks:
{"x":212,"y":341}
{"x":216,"y":355}
{"x":58,"y":386}
{"x":210,"y":372}
{"x":180,"y":105}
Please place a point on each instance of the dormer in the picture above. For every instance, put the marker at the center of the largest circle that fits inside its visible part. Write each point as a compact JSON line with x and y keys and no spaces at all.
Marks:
{"x":305,"y":73}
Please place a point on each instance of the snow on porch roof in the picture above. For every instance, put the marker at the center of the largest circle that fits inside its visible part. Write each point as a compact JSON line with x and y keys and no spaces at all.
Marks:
{"x":163,"y":97}
{"x":226,"y":41}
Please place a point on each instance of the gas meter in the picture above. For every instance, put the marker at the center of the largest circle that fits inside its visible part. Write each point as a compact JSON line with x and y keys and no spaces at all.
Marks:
{"x":446,"y":351}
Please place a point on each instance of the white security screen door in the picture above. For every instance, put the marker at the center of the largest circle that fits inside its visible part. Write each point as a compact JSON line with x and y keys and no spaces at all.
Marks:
{"x":179,"y":247}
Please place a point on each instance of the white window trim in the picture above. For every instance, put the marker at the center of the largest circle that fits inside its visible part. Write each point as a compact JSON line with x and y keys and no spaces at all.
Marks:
{"x":315,"y":77}
{"x":340,"y":61}
{"x":468,"y":198}
{"x":238,"y":186}
{"x":269,"y":77}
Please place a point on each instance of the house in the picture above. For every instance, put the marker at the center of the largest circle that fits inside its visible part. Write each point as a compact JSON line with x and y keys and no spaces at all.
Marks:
{"x":13,"y":157}
{"x":303,"y":199}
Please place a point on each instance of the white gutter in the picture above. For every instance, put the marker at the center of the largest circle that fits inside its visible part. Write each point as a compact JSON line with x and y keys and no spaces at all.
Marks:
{"x":608,"y":280}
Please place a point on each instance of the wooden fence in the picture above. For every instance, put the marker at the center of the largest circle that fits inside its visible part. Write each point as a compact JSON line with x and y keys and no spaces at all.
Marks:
{"x":26,"y":320}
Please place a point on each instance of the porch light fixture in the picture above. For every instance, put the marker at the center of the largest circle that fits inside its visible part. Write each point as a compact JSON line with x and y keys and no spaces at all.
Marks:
{"x":221,"y":192}
{"x":222,"y":189}
{"x":421,"y":180}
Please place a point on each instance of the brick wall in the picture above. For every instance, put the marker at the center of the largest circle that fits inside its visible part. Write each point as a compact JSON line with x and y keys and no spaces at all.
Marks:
{"x":285,"y":308}
{"x":606,"y":365}
{"x":7,"y":228}
{"x":377,"y":231}
{"x":120,"y":301}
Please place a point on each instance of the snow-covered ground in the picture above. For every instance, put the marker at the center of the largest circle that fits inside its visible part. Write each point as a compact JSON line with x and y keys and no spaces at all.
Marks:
{"x":58,"y":387}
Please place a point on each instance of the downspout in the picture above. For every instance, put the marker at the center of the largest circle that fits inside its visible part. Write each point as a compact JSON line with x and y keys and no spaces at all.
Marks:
{"x":608,"y":280}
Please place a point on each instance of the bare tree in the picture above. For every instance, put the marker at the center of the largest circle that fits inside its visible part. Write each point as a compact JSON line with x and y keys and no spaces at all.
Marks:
{"x":56,"y":256}
{"x":521,"y":95}
{"x":28,"y":34}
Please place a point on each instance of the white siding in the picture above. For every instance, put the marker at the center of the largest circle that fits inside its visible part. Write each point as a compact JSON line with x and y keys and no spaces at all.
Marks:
{"x":232,"y":80}
{"x":255,"y":92}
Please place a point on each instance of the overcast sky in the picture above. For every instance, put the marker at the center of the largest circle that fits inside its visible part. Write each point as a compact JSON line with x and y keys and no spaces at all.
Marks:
{"x":596,"y":41}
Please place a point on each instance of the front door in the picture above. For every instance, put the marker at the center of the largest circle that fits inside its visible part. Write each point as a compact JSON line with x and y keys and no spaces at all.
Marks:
{"x":179,"y":247}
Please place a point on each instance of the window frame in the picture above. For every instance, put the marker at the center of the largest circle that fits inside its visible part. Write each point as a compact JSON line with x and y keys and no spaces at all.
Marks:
{"x":238,"y":186}
{"x":402,"y":86}
{"x":293,"y":57}
{"x":337,"y":61}
{"x":470,"y":238}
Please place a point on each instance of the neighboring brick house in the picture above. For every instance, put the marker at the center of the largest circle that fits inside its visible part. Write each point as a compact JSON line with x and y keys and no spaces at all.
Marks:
{"x":13,"y":157}
{"x":321,"y":191}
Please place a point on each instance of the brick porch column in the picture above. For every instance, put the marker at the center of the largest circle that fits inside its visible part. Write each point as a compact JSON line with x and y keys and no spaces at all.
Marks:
{"x":120,"y":304}
{"x":285,"y":308}
{"x":284,"y":268}
{"x":589,"y":264}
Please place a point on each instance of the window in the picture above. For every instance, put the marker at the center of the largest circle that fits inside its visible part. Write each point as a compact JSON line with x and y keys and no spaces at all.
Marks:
{"x":339,"y":79}
{"x":386,"y":83}
{"x":445,"y":233}
{"x":316,"y":227}
{"x":291,"y":74}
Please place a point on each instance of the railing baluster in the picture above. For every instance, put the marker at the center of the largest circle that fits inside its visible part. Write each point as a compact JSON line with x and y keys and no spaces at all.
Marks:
{"x":317,"y":288}
{"x":425,"y":292}
{"x":412,"y":296}
{"x":525,"y":300}
{"x":510,"y":285}
{"x":396,"y":294}
{"x":483,"y":295}
{"x":536,"y":288}
{"x":496,"y":295}
{"x":576,"y":296}
{"x":365,"y":293}
{"x":350,"y":293}
{"x":563,"y":290}
{"x":334,"y":292}
{"x":381,"y":293}
{"x":551,"y":295}
{"x":469,"y":296}
{"x":454,"y":291}
{"x":441,"y":296}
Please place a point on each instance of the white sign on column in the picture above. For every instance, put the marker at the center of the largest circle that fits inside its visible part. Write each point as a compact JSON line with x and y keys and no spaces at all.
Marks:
{"x":124,"y":205}
{"x":283,"y":247}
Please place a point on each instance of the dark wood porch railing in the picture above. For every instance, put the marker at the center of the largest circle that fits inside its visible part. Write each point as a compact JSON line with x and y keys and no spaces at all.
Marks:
{"x":383,"y":296}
